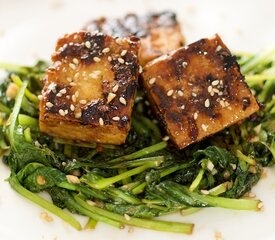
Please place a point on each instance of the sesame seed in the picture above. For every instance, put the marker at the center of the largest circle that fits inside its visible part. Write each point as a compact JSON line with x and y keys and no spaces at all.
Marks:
{"x":194,"y":94}
{"x":83,"y":101}
{"x":63,"y":91}
{"x":115,"y":88}
{"x":221,"y":82}
{"x":152,"y":81}
{"x":76,"y":94}
{"x":73,"y":84}
{"x":121,"y":60}
{"x":260,"y":205}
{"x":73,"y":98}
{"x":61,"y":112}
{"x":66,"y":111}
{"x":93,"y":75}
{"x":78,"y":115}
{"x":222,"y":103}
{"x":180,"y":93}
{"x":49,"y":104}
{"x":123,"y":53}
{"x":218,"y":48}
{"x":76,"y":75}
{"x":101,"y":122}
{"x":106,"y":50}
{"x":59,"y":94}
{"x":215,"y":82}
{"x":209,"y":89}
{"x":96,"y":59}
{"x":110,"y":97}
{"x":87,"y":44}
{"x":98,"y":72}
{"x":37,"y":144}
{"x":140,"y":69}
{"x":166,"y":138}
{"x":207,"y":103}
{"x":184,"y":64}
{"x":72,"y":107}
{"x":204,"y":127}
{"x":127,"y":217}
{"x":182,"y":107}
{"x":75,"y":61}
{"x":170,"y":92}
{"x":116,"y":118}
{"x":40,"y":97}
{"x":119,"y":41}
{"x":72,"y":66}
{"x":122,"y":100}
{"x":110,"y":58}
{"x":210,"y":165}
{"x":215,"y":90}
{"x":196,"y":115}
{"x":69,"y":79}
{"x":205,"y":192}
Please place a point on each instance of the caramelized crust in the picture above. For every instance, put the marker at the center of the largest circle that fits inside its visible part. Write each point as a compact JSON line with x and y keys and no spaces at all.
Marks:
{"x":198,"y":90}
{"x":159,"y":32}
{"x":90,"y":88}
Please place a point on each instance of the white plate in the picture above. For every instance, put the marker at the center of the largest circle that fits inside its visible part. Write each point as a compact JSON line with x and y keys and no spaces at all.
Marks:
{"x":28,"y":31}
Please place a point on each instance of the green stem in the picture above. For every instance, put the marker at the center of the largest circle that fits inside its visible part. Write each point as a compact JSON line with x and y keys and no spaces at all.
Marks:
{"x":196,"y":181}
{"x":91,"y":224}
{"x":142,"y":152}
{"x":27,"y":135}
{"x":13,"y":68}
{"x":143,"y":223}
{"x":27,"y":121}
{"x":42,"y":202}
{"x":245,"y":158}
{"x":4,"y":108}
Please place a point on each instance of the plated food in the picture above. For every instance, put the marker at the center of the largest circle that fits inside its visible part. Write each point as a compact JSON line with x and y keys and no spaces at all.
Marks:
{"x":100,"y":151}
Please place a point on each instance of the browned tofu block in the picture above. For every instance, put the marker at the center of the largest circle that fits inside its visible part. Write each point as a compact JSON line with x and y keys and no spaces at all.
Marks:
{"x":90,"y":88}
{"x":198,"y":90}
{"x":159,"y":32}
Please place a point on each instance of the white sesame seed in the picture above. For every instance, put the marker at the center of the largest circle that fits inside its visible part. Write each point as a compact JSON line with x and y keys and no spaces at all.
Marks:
{"x":115,"y":88}
{"x":207,"y":103}
{"x":209,"y":89}
{"x":166,"y":138}
{"x":63,"y":91}
{"x":122,"y":100}
{"x":40,"y":97}
{"x":72,"y":66}
{"x":93,"y":75}
{"x":76,"y":94}
{"x":88,"y":44}
{"x":180,"y":93}
{"x":116,"y":118}
{"x":96,"y":59}
{"x":215,"y":82}
{"x":222,"y":103}
{"x":123,"y":53}
{"x":170,"y":92}
{"x":69,"y":79}
{"x":66,"y":111}
{"x":75,"y":61}
{"x":49,"y":104}
{"x":205,"y":192}
{"x":182,"y":107}
{"x":196,"y":115}
{"x":101,"y":122}
{"x":221,"y":82}
{"x":218,"y":48}
{"x":210,"y":165}
{"x":140,"y":69}
{"x":72,"y":107}
{"x":204,"y":127}
{"x":61,"y":112}
{"x":110,"y":58}
{"x":152,"y":81}
{"x":73,"y":98}
{"x":83,"y":101}
{"x":98,"y":72}
{"x":59,"y":94}
{"x":215,"y":90}
{"x":76,"y":75}
{"x":119,"y":41}
{"x":121,"y":60}
{"x":78,"y":115}
{"x":127,"y":217}
{"x":106,"y":50}
{"x":73,"y":84}
{"x":110,"y":97}
{"x":184,"y":64}
{"x":194,"y":94}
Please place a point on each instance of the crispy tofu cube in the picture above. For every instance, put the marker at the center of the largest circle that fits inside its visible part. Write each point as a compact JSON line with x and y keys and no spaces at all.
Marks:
{"x":197,"y":91}
{"x":89,"y":90}
{"x":159,"y":32}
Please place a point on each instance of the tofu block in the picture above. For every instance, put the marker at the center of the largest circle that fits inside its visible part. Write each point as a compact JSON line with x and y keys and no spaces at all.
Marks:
{"x":90,"y":87}
{"x":197,"y":91}
{"x":159,"y":32}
